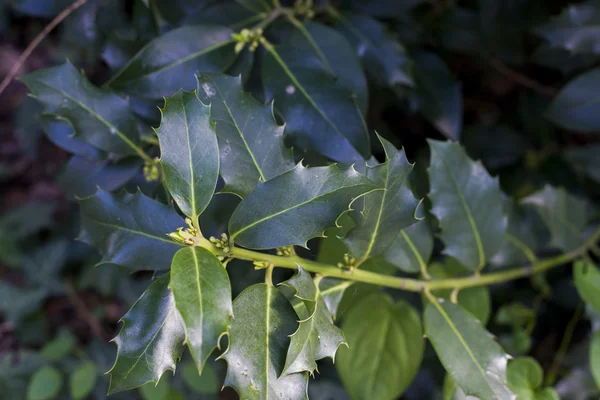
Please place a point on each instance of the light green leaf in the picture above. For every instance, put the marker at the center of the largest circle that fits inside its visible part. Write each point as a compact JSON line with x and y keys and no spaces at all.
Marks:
{"x":83,"y":380}
{"x":386,"y":212}
{"x":412,"y":248}
{"x":258,"y":342}
{"x":587,"y":282}
{"x":45,"y":384}
{"x":250,"y":141}
{"x":452,"y":391}
{"x":467,"y":351}
{"x":263,"y":219}
{"x":565,"y":215}
{"x":151,"y":340}
{"x":595,"y":357}
{"x":202,"y":295}
{"x":468,"y":203}
{"x":60,"y":347}
{"x":585,"y":159}
{"x":130,"y":229}
{"x":170,"y":62}
{"x":575,"y":107}
{"x":316,"y":337}
{"x":189,"y":152}
{"x":385,"y":348}
{"x":319,"y":108}
{"x":98,"y":116}
{"x":525,"y":377}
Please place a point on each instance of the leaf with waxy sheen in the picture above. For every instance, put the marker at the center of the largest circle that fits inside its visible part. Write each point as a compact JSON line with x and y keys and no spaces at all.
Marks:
{"x":98,"y":116}
{"x":250,"y":141}
{"x":151,"y":340}
{"x":412,"y":248}
{"x":385,"y":348}
{"x":565,"y":215}
{"x":130,"y":229}
{"x":319,"y":108}
{"x":316,"y":337}
{"x":170,"y":62}
{"x":468,"y":203}
{"x":189,"y":152}
{"x":576,"y":29}
{"x":202,"y":295}
{"x":258,"y":343}
{"x":587,"y":282}
{"x":296,"y":206}
{"x":332,"y":291}
{"x":385,"y":212}
{"x":525,"y":377}
{"x":576,"y":106}
{"x":467,"y":351}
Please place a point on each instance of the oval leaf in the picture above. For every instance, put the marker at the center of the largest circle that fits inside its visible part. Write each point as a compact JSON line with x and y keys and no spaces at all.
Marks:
{"x":202,"y":294}
{"x":264,"y":218}
{"x":587,"y":282}
{"x":83,"y":380}
{"x":189,"y":152}
{"x":385,"y":348}
{"x":468,"y":203}
{"x":45,"y":384}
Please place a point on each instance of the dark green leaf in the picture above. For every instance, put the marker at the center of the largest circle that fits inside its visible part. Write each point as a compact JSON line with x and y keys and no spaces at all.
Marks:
{"x":258,"y":342}
{"x":202,"y":294}
{"x":515,"y":315}
{"x":383,"y":8}
{"x":45,"y":384}
{"x":250,"y":141}
{"x":169,"y":63}
{"x":467,"y":351}
{"x":319,"y":108}
{"x":586,"y":159}
{"x":60,"y":132}
{"x":386,"y":212}
{"x":385,"y":348}
{"x":382,"y":55}
{"x":412,"y":248}
{"x":189,"y":152}
{"x":587,"y":282}
{"x":98,"y":116}
{"x":206,"y":383}
{"x":576,"y":29}
{"x":468,"y":203}
{"x":332,"y":291}
{"x":439,"y":94}
{"x":130,"y":229}
{"x":264,"y":218}
{"x":575,"y":107}
{"x":151,"y":340}
{"x":83,"y":380}
{"x":565,"y":215}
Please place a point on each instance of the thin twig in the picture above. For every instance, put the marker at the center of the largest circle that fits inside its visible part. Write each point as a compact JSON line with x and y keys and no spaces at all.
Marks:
{"x":84,"y":313}
{"x":25,"y":55}
{"x":522,"y":79}
{"x":564,"y":346}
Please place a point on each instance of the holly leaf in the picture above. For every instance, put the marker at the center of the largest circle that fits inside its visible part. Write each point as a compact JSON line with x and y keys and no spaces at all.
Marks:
{"x":576,"y":29}
{"x":202,"y":295}
{"x":468,"y":203}
{"x":316,"y":337}
{"x":170,"y":62}
{"x":565,"y":215}
{"x":467,"y":351}
{"x":189,"y":152}
{"x":262,"y":219}
{"x":385,"y":348}
{"x":250,"y":141}
{"x":575,"y":106}
{"x":332,"y":291}
{"x":258,"y":342}
{"x":411,"y":250}
{"x":151,"y":340}
{"x":306,"y":90}
{"x":386,"y":212}
{"x":585,"y":159}
{"x":130,"y":229}
{"x":98,"y":116}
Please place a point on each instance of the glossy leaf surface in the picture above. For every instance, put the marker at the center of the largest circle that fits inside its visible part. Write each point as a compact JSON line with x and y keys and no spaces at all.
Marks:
{"x":170,"y":62}
{"x":258,"y":342}
{"x":468,"y":203}
{"x":130,"y":229}
{"x":189,"y":152}
{"x":202,"y":295}
{"x":250,"y":141}
{"x":294,"y":199}
{"x":412,"y":248}
{"x":385,"y":348}
{"x":151,"y":340}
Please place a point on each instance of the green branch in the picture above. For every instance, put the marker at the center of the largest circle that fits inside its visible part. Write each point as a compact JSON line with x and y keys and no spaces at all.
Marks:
{"x":408,"y":284}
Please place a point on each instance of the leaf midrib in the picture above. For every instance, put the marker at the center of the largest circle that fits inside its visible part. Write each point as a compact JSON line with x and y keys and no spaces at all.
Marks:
{"x":194,"y":215}
{"x":414,"y":249}
{"x":131,"y":230}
